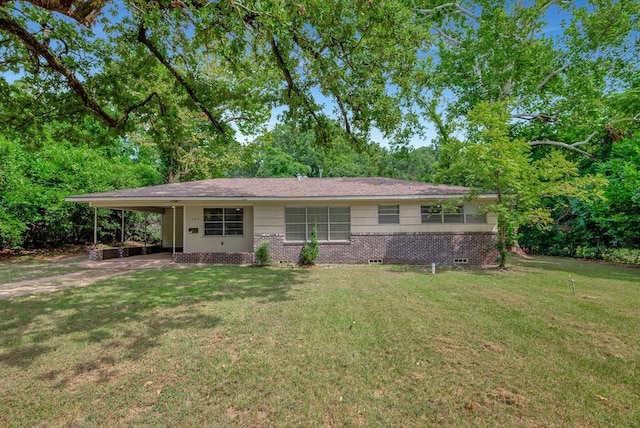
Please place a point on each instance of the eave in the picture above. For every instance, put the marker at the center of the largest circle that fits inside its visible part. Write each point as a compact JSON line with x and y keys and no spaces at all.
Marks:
{"x":168,"y":201}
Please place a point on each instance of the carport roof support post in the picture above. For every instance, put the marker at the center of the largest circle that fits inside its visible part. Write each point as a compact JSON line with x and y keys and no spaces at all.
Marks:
{"x":95,"y":227}
{"x":173,"y":243}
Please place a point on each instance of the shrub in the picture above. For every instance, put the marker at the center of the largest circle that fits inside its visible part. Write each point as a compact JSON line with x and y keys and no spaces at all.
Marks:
{"x":622,"y":255}
{"x":587,"y":252}
{"x":310,"y":250}
{"x":263,"y":256}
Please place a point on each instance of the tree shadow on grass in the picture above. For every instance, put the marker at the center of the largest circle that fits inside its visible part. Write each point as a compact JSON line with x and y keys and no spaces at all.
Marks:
{"x":133,"y":304}
{"x":579,"y":267}
{"x":538,"y":265}
{"x":426,"y":270}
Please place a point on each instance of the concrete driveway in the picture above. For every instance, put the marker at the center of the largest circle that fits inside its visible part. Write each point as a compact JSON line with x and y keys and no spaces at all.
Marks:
{"x":91,"y":272}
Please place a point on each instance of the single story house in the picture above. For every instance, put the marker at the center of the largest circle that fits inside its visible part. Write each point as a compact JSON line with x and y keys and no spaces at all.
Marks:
{"x":358,"y":220}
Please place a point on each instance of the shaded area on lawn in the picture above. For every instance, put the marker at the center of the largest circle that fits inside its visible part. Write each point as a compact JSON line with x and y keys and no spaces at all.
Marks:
{"x":589,"y":268}
{"x":575,"y":267}
{"x":110,"y":306}
{"x":28,"y":268}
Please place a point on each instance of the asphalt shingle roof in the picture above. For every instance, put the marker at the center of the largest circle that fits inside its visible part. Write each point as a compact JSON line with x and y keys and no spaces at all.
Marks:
{"x":282,"y":188}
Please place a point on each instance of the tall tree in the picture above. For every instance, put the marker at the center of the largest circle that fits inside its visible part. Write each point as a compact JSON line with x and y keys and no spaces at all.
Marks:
{"x":492,"y":161}
{"x":553,"y":82}
{"x":230,"y":62}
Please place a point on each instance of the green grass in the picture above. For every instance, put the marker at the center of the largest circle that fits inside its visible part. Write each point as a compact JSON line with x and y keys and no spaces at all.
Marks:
{"x":331,"y":346}
{"x":27,"y":268}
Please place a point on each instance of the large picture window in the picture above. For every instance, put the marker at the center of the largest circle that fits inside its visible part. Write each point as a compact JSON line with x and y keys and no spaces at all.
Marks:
{"x":333,"y":223}
{"x":224,"y":221}
{"x":437,"y":214}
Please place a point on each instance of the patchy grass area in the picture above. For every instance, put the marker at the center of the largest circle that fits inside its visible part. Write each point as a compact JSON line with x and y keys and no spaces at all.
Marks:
{"x":30,"y":267}
{"x":332,"y":346}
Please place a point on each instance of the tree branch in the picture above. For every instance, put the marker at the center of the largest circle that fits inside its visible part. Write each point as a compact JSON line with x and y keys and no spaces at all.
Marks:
{"x":291,"y":86}
{"x":574,"y":146}
{"x":542,"y":84}
{"x":626,"y":119}
{"x":345,"y":116}
{"x":236,"y":118}
{"x":550,"y":3}
{"x":11,"y":26}
{"x":306,"y":46}
{"x":83,"y":12}
{"x":547,"y":142}
{"x":282,"y":66}
{"x":506,"y":89}
{"x":456,"y":9}
{"x":454,"y":43}
{"x":142,"y":38}
{"x":40,"y":50}
{"x":544,"y":117}
{"x":125,"y":116}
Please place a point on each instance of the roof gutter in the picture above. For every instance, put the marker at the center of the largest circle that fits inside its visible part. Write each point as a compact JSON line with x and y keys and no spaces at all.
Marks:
{"x":176,"y":199}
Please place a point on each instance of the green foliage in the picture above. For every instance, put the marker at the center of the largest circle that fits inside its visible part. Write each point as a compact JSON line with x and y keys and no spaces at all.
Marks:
{"x":492,"y":161}
{"x":609,"y":222}
{"x":622,"y":255}
{"x":287,"y":152}
{"x":262,"y":254}
{"x":587,"y":252}
{"x":33,"y":185}
{"x":418,"y":164}
{"x":186,"y":78}
{"x":310,"y":250}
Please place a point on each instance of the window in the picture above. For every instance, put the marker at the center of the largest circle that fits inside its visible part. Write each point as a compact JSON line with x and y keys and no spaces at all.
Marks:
{"x":475,"y":218}
{"x":436,"y":214}
{"x":431,"y":213}
{"x":455,"y":215}
{"x":224,"y":221}
{"x":388,"y":214}
{"x":333,"y":223}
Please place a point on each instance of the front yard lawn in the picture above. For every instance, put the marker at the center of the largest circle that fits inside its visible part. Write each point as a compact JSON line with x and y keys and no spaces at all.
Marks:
{"x":330,"y":346}
{"x":26,"y":268}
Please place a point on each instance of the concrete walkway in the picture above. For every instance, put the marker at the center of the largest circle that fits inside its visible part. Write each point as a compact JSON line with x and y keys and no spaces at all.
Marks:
{"x":149,"y":261}
{"x":92,"y":272}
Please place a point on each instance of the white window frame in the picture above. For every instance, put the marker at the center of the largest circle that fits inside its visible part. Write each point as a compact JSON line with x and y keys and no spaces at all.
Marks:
{"x":308,"y":223}
{"x":435,"y":214}
{"x":224,"y":222}
{"x":389,"y":214}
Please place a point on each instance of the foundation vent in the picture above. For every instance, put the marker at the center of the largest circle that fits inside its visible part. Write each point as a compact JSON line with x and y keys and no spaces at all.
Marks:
{"x":375,"y":261}
{"x":460,"y":261}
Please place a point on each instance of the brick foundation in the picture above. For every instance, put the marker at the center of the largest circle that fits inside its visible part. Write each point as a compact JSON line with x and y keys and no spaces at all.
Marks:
{"x":214,"y":258}
{"x":402,"y":248}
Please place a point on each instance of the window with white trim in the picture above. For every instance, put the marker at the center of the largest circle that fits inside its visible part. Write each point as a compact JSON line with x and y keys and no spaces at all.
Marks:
{"x":437,"y":214}
{"x":333,"y":223}
{"x":224,"y":221}
{"x":388,"y":214}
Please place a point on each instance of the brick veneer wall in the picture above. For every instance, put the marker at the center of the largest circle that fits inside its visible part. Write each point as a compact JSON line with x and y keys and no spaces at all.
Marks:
{"x":420,"y":248}
{"x":214,"y":258}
